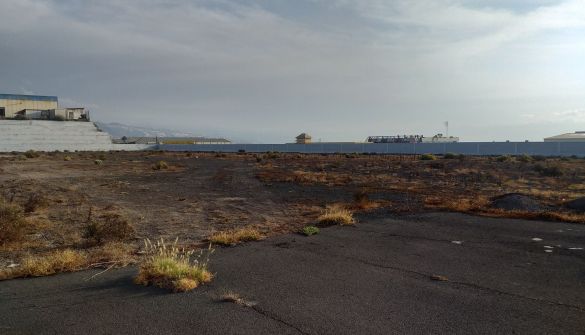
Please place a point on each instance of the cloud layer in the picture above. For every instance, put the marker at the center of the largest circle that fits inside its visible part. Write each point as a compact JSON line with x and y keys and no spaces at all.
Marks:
{"x":266,"y":70}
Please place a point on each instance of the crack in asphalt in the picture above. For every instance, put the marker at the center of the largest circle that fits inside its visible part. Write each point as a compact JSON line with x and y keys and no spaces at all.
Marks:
{"x":274,"y":317}
{"x":470,"y":285}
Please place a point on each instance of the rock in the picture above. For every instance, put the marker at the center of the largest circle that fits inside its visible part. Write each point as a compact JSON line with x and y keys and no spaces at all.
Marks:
{"x":576,"y":204}
{"x":439,"y":278}
{"x":516,"y":202}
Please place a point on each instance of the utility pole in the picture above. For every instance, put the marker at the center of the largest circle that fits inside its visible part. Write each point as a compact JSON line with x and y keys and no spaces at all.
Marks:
{"x":447,"y":128}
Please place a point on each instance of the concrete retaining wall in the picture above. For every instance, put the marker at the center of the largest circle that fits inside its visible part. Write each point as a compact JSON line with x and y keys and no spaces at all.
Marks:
{"x":466,"y":148}
{"x":23,"y":135}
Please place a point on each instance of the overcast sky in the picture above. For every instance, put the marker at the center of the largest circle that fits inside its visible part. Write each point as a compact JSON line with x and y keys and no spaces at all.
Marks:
{"x":264,"y":71}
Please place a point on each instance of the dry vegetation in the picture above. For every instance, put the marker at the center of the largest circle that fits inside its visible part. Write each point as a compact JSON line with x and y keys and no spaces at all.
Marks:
{"x":233,"y":237}
{"x":170,"y":267}
{"x":70,"y":211}
{"x":336,"y":214}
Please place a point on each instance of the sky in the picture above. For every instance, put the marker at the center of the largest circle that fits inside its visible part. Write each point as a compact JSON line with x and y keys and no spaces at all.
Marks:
{"x":263,"y":71}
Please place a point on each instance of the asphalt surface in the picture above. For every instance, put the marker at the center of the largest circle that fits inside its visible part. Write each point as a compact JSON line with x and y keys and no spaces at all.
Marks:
{"x":374,"y":278}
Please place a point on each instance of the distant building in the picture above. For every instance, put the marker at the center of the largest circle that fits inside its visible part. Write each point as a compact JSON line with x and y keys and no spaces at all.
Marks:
{"x":578,"y":136}
{"x":439,"y":138}
{"x":304,"y":138}
{"x":37,"y":107}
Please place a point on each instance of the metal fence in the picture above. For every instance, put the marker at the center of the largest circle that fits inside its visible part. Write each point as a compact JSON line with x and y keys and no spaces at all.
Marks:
{"x":466,"y":148}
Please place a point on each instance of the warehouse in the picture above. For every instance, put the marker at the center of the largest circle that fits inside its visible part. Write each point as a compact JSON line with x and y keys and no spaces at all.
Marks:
{"x":37,"y":107}
{"x":578,"y":136}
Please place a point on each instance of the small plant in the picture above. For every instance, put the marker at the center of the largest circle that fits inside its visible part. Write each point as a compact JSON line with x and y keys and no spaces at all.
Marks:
{"x":525,"y":158}
{"x":362,"y":200}
{"x":427,"y":157}
{"x":310,"y":230}
{"x":34,"y":202}
{"x":336,"y":214}
{"x":450,"y":155}
{"x":503,"y":158}
{"x":233,"y":237}
{"x":98,"y":162}
{"x":67,"y":158}
{"x":32,"y":154}
{"x":12,"y":223}
{"x":548,"y":171}
{"x":109,"y":227}
{"x":160,"y":165}
{"x":173,"y":268}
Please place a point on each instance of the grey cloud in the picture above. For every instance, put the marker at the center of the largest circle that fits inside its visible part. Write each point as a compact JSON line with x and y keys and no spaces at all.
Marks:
{"x":266,"y":70}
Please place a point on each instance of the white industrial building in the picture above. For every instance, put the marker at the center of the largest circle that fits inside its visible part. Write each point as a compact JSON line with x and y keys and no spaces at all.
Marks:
{"x":38,"y":107}
{"x":578,"y":136}
{"x":439,"y":138}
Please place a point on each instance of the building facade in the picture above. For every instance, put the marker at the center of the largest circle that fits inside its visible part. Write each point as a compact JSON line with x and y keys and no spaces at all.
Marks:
{"x":38,"y":107}
{"x":12,"y":104}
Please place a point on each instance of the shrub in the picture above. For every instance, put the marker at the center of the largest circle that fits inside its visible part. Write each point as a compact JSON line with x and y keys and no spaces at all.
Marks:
{"x":12,"y":223}
{"x":427,"y":157}
{"x":548,"y":171}
{"x":32,"y":154}
{"x":539,"y":158}
{"x":272,"y":155}
{"x":503,"y":158}
{"x":98,"y":162}
{"x":170,"y":267}
{"x":67,"y":158}
{"x":160,"y":165}
{"x":450,"y":155}
{"x":361,"y":197}
{"x":34,"y":202}
{"x":233,"y":237}
{"x":524,"y":158}
{"x":310,"y":230}
{"x":336,"y":214}
{"x":109,"y":227}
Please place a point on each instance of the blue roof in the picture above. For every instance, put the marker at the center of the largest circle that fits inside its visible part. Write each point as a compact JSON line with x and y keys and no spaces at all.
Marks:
{"x":28,"y":97}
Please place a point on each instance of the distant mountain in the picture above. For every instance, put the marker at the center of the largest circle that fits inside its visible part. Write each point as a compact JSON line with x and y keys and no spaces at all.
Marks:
{"x":118,"y":130}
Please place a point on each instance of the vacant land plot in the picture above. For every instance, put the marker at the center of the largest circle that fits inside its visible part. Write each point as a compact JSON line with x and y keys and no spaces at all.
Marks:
{"x":72,"y":211}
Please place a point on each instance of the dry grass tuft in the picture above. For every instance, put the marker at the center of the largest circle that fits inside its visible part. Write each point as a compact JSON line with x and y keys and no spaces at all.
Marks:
{"x":160,"y":165}
{"x":336,"y":214}
{"x":12,"y":223}
{"x":109,"y":226}
{"x":113,"y":252}
{"x":174,"y":268}
{"x":54,"y":262}
{"x":233,"y":237}
{"x":35,"y":201}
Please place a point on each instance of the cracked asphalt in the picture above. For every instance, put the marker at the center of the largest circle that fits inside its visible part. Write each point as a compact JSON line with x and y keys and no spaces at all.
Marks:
{"x":374,"y":278}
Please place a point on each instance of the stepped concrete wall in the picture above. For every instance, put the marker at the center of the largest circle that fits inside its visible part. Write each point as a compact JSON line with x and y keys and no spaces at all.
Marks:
{"x":42,"y":135}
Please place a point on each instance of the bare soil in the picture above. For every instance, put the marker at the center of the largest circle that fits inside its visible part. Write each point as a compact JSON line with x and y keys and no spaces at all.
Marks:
{"x":203,"y":193}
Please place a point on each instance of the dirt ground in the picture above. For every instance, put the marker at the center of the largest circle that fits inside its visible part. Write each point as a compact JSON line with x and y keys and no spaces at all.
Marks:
{"x":199,"y":194}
